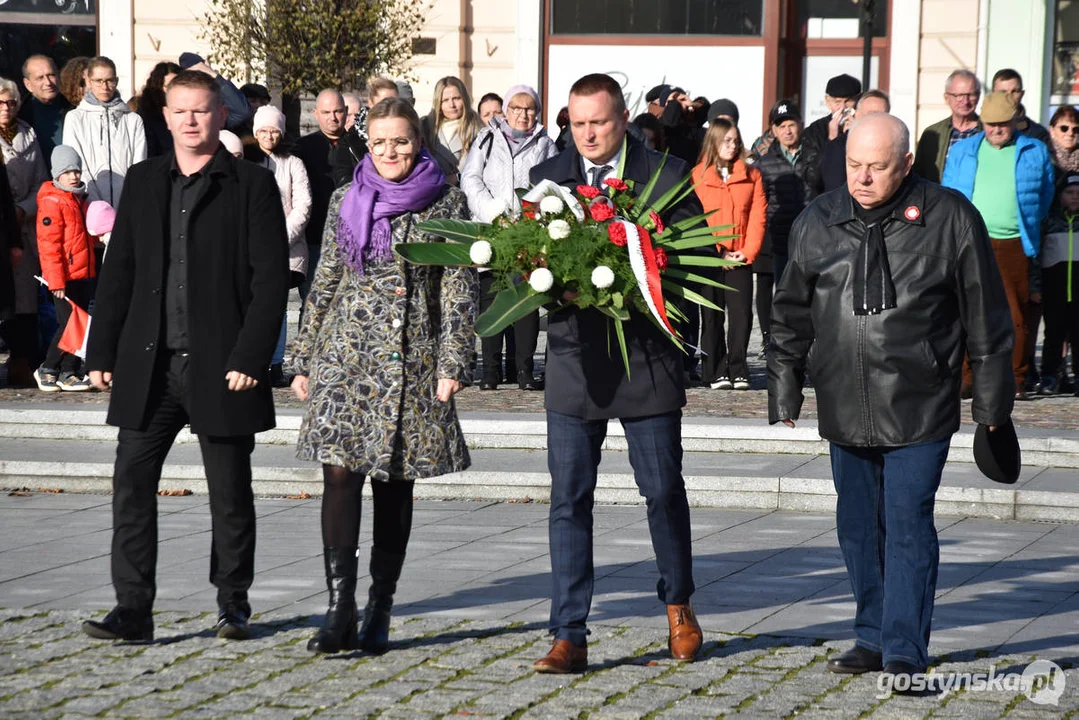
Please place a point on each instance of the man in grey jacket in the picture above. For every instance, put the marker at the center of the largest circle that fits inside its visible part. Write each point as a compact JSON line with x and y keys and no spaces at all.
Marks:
{"x":890,"y":279}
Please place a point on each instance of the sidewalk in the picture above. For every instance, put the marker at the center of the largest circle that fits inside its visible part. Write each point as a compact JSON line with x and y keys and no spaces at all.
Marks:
{"x":772,"y":597}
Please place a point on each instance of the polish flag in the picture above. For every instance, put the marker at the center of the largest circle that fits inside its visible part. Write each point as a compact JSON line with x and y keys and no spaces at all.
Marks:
{"x":75,"y":332}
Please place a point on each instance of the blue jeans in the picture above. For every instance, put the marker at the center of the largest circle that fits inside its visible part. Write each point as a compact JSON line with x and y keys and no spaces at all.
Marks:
{"x":884,"y":520}
{"x":279,"y":349}
{"x":573,"y":455}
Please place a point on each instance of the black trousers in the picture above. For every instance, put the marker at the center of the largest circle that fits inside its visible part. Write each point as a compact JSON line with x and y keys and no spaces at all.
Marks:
{"x":525,"y":335}
{"x":1061,"y":316}
{"x":139,"y":457}
{"x":765,"y":290}
{"x":726,"y":351}
{"x":81,"y":293}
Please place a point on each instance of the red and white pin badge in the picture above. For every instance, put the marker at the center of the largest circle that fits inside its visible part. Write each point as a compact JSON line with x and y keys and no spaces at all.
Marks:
{"x":912,"y":213}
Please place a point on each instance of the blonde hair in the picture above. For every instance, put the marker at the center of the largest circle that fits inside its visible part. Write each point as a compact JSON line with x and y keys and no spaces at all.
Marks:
{"x":395,"y":107}
{"x":713,"y":140}
{"x":470,"y":122}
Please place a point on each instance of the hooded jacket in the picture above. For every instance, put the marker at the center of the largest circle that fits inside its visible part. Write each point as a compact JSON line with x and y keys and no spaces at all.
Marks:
{"x":26,"y":170}
{"x":492,"y":172}
{"x":295,"y":189}
{"x":109,"y":140}
{"x":1033,"y":182}
{"x":892,"y":379}
{"x":65,"y":248}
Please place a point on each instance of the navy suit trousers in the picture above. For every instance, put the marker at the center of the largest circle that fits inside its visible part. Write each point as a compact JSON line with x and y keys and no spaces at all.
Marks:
{"x":573,"y":455}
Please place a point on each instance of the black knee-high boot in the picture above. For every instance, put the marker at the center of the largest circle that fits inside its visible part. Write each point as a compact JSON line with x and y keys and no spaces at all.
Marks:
{"x":339,"y":631}
{"x":375,"y":630}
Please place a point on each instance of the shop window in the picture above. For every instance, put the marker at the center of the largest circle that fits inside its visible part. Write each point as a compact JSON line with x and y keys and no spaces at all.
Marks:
{"x":61,"y":29}
{"x":838,"y":19}
{"x":657,"y":17}
{"x":1066,"y":52}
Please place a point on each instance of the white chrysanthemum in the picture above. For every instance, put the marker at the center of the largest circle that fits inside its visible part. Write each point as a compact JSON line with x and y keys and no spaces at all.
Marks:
{"x":541,"y":280}
{"x":558,"y":229}
{"x":480,"y":252}
{"x":551,"y":205}
{"x":602,"y":277}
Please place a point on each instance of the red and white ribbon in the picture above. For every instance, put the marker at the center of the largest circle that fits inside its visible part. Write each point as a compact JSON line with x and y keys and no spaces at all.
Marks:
{"x":643,"y":261}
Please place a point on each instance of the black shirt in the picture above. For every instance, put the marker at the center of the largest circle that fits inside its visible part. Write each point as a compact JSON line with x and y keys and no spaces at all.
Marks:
{"x":187,"y":190}
{"x":320,"y":156}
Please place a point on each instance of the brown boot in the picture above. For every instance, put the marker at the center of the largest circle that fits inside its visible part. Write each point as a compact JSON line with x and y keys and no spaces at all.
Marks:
{"x":686,"y":636}
{"x":563,"y":658}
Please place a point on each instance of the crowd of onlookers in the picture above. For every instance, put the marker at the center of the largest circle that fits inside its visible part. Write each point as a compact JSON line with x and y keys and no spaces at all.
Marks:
{"x":69,"y":139}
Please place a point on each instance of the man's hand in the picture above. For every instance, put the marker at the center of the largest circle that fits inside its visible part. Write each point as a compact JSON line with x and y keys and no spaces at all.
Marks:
{"x":58,"y":294}
{"x":447,"y":388}
{"x":834,"y":124}
{"x":204,"y":67}
{"x":239,"y":382}
{"x":788,"y":422}
{"x":100,"y":380}
{"x":16,"y":257}
{"x":299,"y":387}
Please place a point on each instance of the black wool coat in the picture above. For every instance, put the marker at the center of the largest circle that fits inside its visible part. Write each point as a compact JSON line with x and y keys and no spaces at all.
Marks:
{"x":238,"y":281}
{"x":585,"y":375}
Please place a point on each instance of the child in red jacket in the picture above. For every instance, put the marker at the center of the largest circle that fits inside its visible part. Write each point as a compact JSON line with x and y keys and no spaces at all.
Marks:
{"x":66,"y":251}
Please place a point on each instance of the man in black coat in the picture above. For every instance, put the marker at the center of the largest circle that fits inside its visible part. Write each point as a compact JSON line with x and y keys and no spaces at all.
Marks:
{"x":587,"y":385}
{"x":891,"y":278}
{"x":188,"y":310}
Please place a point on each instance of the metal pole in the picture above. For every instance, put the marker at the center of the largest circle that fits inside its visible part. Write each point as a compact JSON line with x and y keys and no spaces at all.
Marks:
{"x":867,"y":40}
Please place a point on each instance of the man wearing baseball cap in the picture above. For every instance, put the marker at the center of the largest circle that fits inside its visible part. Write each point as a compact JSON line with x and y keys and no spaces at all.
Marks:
{"x":1008,"y":176}
{"x":840,"y":94}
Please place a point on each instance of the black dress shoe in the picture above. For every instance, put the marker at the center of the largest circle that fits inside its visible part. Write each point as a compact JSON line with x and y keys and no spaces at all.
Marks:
{"x":488,"y":384}
{"x":232,"y":621}
{"x":855,"y":661}
{"x":525,"y":381}
{"x":902,"y":674}
{"x":135,"y":626}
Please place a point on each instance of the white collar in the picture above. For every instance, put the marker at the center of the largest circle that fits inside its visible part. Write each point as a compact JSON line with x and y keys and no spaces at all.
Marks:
{"x":612,"y":163}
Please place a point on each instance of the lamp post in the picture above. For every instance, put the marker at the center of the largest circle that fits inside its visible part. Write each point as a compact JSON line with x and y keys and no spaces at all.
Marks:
{"x":867,"y":9}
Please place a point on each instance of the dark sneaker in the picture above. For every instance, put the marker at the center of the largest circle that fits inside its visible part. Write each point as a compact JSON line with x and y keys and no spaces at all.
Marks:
{"x":135,"y":626}
{"x":232,"y":621}
{"x":74,"y":383}
{"x":46,"y":380}
{"x":1048,"y":385}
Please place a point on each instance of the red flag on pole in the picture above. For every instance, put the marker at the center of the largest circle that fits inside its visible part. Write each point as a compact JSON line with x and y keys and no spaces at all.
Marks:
{"x":75,"y":332}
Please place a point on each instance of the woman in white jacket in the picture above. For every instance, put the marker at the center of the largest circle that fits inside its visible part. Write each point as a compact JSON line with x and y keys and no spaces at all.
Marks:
{"x":105,"y":133}
{"x":292,"y":181}
{"x":497,"y":164}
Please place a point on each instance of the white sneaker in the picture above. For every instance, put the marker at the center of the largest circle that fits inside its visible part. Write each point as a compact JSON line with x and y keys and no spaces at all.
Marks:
{"x":741,"y":384}
{"x":722,"y":383}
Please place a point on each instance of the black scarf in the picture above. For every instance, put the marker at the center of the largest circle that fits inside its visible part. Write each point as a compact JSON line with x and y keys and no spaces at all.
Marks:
{"x":874,"y":291}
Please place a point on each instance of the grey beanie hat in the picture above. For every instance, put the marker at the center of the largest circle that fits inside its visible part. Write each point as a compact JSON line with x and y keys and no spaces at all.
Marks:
{"x":64,"y":158}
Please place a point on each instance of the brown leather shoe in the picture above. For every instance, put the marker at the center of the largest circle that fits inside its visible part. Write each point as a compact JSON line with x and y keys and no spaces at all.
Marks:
{"x":686,"y":636}
{"x":564,"y":657}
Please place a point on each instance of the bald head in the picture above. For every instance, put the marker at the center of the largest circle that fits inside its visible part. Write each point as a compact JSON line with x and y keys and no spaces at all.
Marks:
{"x":330,"y":112}
{"x":878,"y":158}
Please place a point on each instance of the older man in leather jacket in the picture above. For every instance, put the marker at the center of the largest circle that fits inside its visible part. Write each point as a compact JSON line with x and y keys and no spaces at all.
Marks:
{"x":890,"y":279}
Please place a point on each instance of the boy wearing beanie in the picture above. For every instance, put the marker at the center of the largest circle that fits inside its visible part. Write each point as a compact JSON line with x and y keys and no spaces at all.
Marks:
{"x":68,"y":267}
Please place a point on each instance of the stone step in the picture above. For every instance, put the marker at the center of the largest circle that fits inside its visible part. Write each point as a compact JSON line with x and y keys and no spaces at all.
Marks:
{"x":732,"y":480}
{"x":1041,"y":448}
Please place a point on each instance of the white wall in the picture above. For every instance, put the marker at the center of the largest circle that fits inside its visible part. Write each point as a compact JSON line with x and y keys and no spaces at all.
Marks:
{"x":1017,"y":40}
{"x":904,"y":60}
{"x":116,"y":18}
{"x":734,"y":72}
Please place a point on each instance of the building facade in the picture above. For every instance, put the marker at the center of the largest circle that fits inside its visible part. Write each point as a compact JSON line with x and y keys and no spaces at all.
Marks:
{"x":751,"y":51}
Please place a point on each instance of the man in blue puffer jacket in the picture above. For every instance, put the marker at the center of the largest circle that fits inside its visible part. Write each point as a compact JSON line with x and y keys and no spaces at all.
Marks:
{"x":1009,"y":179}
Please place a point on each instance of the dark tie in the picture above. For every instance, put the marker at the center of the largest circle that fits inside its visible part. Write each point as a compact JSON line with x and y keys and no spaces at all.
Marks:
{"x":597,"y":175}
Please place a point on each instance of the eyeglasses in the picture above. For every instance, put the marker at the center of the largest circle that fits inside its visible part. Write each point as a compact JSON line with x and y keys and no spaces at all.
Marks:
{"x":973,"y":97}
{"x":517,"y":110}
{"x":104,"y":81}
{"x":9,"y":103}
{"x":400,"y":144}
{"x":1072,"y":129}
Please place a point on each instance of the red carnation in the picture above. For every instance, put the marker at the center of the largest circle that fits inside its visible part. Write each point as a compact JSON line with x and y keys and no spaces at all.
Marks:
{"x":601,"y":212}
{"x":616,"y":184}
{"x":656,"y":220}
{"x":661,"y":258}
{"x":529,"y":209}
{"x":588,"y":191}
{"x":617,"y":233}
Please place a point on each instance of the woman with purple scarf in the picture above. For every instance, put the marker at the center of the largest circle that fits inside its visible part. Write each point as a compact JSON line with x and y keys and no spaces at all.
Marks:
{"x":381,"y":351}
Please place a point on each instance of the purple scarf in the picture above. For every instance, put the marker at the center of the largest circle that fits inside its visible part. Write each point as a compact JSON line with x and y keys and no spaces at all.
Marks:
{"x":363,"y":227}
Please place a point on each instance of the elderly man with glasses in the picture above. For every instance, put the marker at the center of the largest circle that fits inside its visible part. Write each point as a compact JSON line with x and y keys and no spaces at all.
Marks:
{"x":105,"y":133}
{"x":962,"y":90}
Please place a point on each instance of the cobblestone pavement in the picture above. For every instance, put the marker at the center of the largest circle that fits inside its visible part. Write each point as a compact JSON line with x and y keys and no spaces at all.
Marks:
{"x":470,"y":621}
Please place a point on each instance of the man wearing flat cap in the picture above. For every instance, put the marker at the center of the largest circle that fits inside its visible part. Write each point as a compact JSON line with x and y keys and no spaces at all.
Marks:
{"x":1009,"y":178}
{"x":840,"y":95}
{"x":890,"y":278}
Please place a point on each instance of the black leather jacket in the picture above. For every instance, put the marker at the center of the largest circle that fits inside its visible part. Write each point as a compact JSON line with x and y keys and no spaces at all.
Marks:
{"x":892,"y":379}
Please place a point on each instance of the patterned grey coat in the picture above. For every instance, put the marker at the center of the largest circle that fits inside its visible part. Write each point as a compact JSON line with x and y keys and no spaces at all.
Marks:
{"x":373,"y":347}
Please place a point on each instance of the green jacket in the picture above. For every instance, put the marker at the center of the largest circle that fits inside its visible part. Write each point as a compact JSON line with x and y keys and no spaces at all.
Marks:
{"x":933,"y":150}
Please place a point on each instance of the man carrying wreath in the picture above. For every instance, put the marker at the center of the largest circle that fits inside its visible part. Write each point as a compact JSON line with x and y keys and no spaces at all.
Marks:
{"x":588,"y":384}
